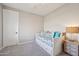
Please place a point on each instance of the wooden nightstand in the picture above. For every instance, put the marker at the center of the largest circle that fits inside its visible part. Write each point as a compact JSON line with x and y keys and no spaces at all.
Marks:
{"x":71,"y":47}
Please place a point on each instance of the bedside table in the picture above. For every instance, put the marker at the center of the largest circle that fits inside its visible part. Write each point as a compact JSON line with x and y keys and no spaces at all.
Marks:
{"x":71,"y":47}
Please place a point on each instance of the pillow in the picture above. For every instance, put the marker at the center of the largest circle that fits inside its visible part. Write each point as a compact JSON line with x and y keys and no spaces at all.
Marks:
{"x":56,"y":35}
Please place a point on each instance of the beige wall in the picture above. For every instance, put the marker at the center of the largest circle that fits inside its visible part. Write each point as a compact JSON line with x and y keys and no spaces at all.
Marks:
{"x":62,"y":17}
{"x":29,"y":25}
{"x":0,"y":26}
{"x":59,"y":19}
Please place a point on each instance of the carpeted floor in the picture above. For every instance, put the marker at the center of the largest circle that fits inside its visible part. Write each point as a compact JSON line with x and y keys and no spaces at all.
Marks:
{"x":28,"y":49}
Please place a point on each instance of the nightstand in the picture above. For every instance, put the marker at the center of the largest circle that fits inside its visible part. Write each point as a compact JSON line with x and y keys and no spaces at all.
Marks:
{"x":71,"y":47}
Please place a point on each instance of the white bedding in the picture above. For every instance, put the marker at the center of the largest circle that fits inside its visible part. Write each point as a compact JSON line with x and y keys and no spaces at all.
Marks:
{"x":51,"y":46}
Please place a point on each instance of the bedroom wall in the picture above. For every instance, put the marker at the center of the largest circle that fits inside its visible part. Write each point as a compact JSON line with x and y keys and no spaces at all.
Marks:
{"x":0,"y":26}
{"x":60,"y":18}
{"x":29,"y":26}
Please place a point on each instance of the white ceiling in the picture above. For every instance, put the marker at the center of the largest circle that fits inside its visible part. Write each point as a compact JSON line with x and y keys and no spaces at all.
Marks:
{"x":35,"y":8}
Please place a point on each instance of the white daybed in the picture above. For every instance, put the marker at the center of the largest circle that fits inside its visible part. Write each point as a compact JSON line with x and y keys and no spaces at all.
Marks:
{"x":53,"y":46}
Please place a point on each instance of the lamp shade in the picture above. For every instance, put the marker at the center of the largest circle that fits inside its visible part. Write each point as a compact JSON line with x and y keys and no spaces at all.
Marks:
{"x":72,"y":29}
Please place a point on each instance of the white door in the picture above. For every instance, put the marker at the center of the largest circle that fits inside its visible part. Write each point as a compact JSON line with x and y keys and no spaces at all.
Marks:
{"x":10,"y":27}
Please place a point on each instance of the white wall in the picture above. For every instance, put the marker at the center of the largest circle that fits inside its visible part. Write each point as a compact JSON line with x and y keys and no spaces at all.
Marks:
{"x":60,"y":18}
{"x":29,"y":25}
{"x":0,"y":26}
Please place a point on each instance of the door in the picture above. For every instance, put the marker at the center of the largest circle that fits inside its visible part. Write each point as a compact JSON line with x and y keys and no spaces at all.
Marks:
{"x":10,"y":27}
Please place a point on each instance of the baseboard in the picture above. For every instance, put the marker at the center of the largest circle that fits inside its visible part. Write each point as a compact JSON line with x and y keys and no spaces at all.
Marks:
{"x":20,"y":43}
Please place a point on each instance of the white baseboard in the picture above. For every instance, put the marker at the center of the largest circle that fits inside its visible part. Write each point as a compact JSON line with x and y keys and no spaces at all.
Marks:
{"x":20,"y":43}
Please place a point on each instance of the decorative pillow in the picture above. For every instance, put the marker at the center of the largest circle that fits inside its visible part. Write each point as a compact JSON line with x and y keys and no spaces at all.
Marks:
{"x":56,"y":35}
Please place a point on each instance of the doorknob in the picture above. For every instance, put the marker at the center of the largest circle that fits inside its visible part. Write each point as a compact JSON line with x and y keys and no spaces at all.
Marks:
{"x":16,"y":32}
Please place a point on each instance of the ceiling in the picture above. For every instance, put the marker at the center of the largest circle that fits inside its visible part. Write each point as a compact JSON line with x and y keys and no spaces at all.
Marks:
{"x":41,"y":9}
